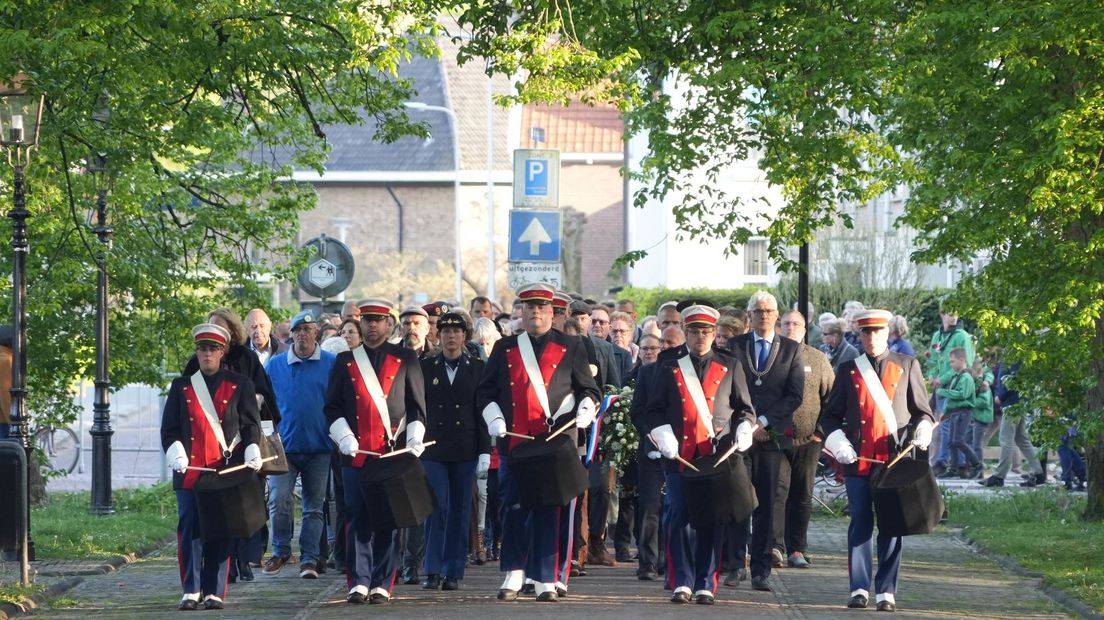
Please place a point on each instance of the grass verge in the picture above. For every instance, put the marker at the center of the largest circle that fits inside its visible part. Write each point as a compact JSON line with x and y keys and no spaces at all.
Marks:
{"x":1042,"y":531}
{"x":15,"y":593}
{"x":65,"y":529}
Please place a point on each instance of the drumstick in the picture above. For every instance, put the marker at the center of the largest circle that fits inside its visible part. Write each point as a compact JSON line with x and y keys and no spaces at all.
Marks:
{"x":863,"y":458}
{"x":909,"y":449}
{"x":201,"y":468}
{"x":243,"y":465}
{"x":519,"y":435}
{"x":368,"y":452}
{"x":561,"y":429}
{"x":405,"y":450}
{"x":729,"y":452}
{"x":677,"y":457}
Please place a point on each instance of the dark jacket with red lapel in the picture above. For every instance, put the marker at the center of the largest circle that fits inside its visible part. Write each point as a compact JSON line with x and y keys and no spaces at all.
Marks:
{"x":235,"y":403}
{"x":400,"y":376}
{"x":782,"y":389}
{"x":562,"y":359}
{"x":452,"y":419}
{"x":904,"y":384}
{"x":725,"y":391}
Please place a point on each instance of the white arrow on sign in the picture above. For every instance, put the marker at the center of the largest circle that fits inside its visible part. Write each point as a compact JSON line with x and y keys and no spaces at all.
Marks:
{"x":534,"y":235}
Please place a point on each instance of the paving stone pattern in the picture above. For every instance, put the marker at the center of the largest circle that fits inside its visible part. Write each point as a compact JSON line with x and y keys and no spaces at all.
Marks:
{"x":942,"y":578}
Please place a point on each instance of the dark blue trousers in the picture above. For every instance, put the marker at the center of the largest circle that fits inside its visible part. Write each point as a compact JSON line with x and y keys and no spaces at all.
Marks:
{"x":371,"y":558}
{"x":204,"y":564}
{"x":860,"y":547}
{"x":448,"y":529}
{"x":693,"y":554}
{"x":531,"y":539}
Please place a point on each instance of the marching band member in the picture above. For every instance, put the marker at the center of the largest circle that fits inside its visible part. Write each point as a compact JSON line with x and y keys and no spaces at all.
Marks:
{"x":534,"y":380}
{"x":876,"y":396}
{"x":375,"y":402}
{"x":700,"y":398}
{"x":210,"y":420}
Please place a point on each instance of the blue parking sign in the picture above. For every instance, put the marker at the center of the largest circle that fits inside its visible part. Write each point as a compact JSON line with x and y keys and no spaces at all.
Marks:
{"x":536,"y":177}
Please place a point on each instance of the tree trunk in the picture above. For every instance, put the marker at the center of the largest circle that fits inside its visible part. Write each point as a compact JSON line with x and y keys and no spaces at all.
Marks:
{"x":1094,"y":465}
{"x":36,"y":493}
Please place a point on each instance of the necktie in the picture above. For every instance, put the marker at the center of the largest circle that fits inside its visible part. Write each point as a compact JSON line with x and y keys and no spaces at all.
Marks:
{"x":762,"y":363}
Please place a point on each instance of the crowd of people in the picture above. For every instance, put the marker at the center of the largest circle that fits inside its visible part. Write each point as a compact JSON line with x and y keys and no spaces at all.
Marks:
{"x":462,"y":388}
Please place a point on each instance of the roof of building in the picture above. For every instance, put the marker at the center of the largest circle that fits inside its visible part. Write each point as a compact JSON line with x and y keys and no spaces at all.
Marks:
{"x":577,"y":128}
{"x":353,"y":148}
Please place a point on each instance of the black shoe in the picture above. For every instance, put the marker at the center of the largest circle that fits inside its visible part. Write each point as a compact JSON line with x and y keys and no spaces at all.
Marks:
{"x":681,"y":597}
{"x":507,"y":595}
{"x":245,"y":571}
{"x":858,"y":602}
{"x":1030,"y":481}
{"x":939,"y":469}
{"x":734,"y":578}
{"x":410,"y":577}
{"x":623,"y":556}
{"x":647,"y":575}
{"x":450,"y":583}
{"x":887,"y":606}
{"x":432,"y":582}
{"x":547,"y":597}
{"x":704,"y":599}
{"x":357,"y":598}
{"x":760,"y":583}
{"x":187,"y":604}
{"x":529,"y":588}
{"x":212,"y":603}
{"x":950,"y":472}
{"x":561,"y":592}
{"x":974,"y":472}
{"x":992,"y":481}
{"x":378,"y":599}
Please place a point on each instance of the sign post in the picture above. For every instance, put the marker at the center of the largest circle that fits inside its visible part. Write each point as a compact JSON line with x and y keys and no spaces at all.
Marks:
{"x":330,"y":270}
{"x":536,"y":222}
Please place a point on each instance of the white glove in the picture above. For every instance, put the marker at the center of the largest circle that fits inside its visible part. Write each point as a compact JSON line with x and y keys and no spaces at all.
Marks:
{"x":177,"y":457}
{"x":483,"y":465}
{"x":841,"y":449}
{"x":654,"y":455}
{"x":744,"y":436}
{"x":415,"y":433}
{"x":584,"y":415}
{"x":665,"y":441}
{"x":923,"y":435}
{"x":343,"y":436}
{"x":497,"y":427}
{"x":495,"y":419}
{"x":253,"y":457}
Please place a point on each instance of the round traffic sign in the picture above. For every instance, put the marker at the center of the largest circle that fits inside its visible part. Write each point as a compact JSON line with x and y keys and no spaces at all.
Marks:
{"x":330,"y":269}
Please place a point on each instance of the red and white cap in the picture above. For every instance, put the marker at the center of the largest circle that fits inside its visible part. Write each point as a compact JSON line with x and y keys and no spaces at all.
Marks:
{"x":536,"y":293}
{"x":873,"y":319}
{"x":699,"y":315}
{"x":210,"y":333}
{"x":560,"y":301}
{"x":375,"y":307}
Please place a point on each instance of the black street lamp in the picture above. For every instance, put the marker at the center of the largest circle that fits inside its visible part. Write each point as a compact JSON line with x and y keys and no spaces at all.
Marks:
{"x":20,"y":115}
{"x":101,"y":408}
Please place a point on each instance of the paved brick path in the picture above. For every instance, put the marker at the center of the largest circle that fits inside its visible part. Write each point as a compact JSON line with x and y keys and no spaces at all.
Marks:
{"x":942,"y":578}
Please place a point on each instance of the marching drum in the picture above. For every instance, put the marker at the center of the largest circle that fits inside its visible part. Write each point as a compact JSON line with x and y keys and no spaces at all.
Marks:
{"x":550,"y":471}
{"x":718,"y":493}
{"x":230,"y":505}
{"x":907,"y":499}
{"x":396,"y":492}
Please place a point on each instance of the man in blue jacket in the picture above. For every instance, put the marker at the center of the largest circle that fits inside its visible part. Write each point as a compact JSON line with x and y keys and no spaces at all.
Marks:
{"x":299,"y":378}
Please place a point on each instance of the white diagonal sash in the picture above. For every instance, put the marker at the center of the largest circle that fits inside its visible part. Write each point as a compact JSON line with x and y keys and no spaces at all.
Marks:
{"x":207,"y":404}
{"x":375,"y":390}
{"x":536,"y":379}
{"x":878,"y":393}
{"x":693,"y":385}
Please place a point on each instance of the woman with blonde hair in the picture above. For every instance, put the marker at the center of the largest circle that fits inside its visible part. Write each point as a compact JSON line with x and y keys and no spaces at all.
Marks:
{"x":898,"y":331}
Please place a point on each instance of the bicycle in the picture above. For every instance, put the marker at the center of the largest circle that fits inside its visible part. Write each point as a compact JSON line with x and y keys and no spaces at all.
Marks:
{"x":60,"y":446}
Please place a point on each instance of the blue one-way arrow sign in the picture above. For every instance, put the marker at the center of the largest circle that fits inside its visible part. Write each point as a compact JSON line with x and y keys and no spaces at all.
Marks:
{"x":535,"y":236}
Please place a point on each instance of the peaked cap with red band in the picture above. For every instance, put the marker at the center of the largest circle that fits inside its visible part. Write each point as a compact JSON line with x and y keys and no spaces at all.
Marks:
{"x":560,"y":301}
{"x":210,"y":333}
{"x":700,"y":315}
{"x":873,"y":319}
{"x":537,"y":293}
{"x":375,"y":307}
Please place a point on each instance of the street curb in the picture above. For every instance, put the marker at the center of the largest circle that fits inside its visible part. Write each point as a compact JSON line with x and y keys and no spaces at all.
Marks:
{"x":112,"y":564}
{"x":1058,"y":596}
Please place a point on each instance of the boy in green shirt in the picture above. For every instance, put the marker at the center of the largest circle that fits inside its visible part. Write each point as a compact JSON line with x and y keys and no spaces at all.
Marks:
{"x":959,"y":392}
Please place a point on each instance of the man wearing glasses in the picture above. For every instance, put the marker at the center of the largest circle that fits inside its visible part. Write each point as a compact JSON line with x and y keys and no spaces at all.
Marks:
{"x":775,"y":371}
